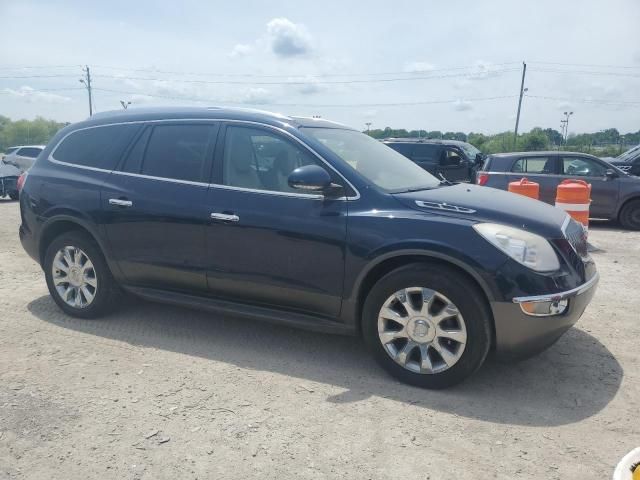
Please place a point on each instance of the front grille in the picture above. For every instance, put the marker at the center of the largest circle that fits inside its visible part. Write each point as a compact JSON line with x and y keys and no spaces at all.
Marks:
{"x":576,"y":235}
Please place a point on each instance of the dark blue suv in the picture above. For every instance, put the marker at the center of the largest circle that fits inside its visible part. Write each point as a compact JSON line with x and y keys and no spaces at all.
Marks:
{"x":302,"y":222}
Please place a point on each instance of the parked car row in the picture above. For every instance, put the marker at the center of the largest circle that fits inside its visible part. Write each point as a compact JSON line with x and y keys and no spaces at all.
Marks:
{"x":615,"y":195}
{"x":14,"y":162}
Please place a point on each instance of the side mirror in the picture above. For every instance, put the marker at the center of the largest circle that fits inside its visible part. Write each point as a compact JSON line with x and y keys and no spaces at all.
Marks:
{"x":479,"y":159}
{"x":310,"y":178}
{"x":610,"y":174}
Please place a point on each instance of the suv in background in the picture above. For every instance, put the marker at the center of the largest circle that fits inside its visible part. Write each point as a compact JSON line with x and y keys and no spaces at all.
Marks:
{"x":23,"y":156}
{"x":302,"y":222}
{"x":615,"y":195}
{"x":454,"y":160}
{"x":628,"y":161}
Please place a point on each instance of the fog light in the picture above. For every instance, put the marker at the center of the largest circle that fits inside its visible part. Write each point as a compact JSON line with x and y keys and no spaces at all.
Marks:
{"x":543,"y":309}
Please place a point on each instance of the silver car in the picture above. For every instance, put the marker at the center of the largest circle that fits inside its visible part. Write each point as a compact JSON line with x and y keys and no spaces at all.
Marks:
{"x":22,"y":156}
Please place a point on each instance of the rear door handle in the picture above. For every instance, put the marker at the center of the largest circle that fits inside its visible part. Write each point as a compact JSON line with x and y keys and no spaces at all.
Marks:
{"x":120,"y":203}
{"x":225,"y":217}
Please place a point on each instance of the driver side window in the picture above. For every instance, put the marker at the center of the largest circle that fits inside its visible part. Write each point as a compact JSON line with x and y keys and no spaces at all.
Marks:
{"x":450,"y":157}
{"x":261,"y":160}
{"x":582,"y":167}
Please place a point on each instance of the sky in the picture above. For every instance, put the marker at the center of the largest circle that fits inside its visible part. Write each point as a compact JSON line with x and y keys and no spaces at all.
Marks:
{"x":433,"y":65}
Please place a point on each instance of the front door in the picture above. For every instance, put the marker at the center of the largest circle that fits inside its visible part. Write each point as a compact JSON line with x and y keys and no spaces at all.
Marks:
{"x":268,"y":243}
{"x":453,"y":165}
{"x":155,"y":207}
{"x":604,"y":190}
{"x":541,"y":169}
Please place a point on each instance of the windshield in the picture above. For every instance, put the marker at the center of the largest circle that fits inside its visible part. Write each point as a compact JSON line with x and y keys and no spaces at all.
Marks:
{"x":629,"y":154}
{"x":469,"y":150}
{"x":375,"y":161}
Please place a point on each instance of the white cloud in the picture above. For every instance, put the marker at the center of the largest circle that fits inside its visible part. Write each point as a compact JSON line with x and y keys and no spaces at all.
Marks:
{"x":257,"y":96}
{"x":32,"y":95}
{"x":310,"y":86}
{"x":288,"y":39}
{"x":418,"y":67}
{"x":240,"y":50}
{"x":462,"y":105}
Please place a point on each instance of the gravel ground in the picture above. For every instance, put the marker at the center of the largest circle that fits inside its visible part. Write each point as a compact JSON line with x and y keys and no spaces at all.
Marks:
{"x":155,"y":392}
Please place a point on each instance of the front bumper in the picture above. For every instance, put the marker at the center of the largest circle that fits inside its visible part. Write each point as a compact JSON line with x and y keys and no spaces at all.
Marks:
{"x":520,"y":334}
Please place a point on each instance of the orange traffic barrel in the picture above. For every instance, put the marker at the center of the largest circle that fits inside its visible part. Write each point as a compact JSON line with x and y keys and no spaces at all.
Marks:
{"x":574,"y":196}
{"x":526,"y":188}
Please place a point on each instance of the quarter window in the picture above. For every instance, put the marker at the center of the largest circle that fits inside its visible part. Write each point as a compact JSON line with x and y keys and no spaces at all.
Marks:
{"x":99,"y":147}
{"x":260,"y":160}
{"x":582,"y":167}
{"x":533,"y":165}
{"x":178,"y":152}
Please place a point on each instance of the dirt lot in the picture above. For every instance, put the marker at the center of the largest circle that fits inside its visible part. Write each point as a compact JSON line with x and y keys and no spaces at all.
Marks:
{"x":154,"y":392}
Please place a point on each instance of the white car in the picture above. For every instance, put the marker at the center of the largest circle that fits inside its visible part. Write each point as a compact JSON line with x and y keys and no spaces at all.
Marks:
{"x":22,"y":156}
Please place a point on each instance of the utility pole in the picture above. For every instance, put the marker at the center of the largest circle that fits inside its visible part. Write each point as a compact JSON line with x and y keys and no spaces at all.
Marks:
{"x":368,"y":124}
{"x":522,"y":90}
{"x":565,"y":122}
{"x":87,"y":82}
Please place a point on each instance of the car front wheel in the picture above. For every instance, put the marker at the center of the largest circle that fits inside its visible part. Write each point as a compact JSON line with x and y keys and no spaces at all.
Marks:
{"x":427,"y":324}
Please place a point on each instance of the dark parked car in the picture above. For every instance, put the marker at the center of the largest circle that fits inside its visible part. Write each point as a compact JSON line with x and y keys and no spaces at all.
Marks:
{"x":456,"y":161}
{"x":302,"y":222}
{"x":614,"y":194}
{"x":628,"y":161}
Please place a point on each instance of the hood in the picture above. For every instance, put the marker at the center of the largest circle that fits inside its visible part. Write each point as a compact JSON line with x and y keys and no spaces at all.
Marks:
{"x":485,"y":204}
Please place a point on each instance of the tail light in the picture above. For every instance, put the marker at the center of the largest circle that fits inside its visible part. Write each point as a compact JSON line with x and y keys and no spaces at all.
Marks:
{"x":20,"y":183}
{"x":483,"y":178}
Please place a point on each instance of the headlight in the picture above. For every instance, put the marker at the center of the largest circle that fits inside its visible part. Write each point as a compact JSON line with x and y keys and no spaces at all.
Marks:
{"x":529,"y":249}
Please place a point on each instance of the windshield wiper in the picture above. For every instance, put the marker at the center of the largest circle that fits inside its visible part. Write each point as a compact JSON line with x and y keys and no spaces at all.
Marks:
{"x":444,"y":181}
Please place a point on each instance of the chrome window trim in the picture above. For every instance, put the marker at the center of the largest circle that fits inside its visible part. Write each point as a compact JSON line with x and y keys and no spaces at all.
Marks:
{"x":52,"y":159}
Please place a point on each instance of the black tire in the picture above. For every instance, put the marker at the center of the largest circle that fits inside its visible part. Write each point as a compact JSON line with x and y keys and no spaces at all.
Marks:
{"x":14,"y":195}
{"x":106,"y":292}
{"x":466,"y":296}
{"x":630,"y":215}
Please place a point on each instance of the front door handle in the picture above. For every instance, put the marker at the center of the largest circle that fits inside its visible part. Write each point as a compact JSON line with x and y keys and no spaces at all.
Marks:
{"x":225,"y":217}
{"x":120,"y":203}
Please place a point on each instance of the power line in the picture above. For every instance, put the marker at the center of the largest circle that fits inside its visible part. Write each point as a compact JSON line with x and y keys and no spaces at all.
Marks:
{"x":36,"y":67}
{"x":310,"y":105}
{"x":310,"y":75}
{"x":38,"y":76}
{"x":588,"y":65}
{"x":587,"y":72}
{"x":587,"y":100}
{"x":62,"y":89}
{"x":305,"y":82}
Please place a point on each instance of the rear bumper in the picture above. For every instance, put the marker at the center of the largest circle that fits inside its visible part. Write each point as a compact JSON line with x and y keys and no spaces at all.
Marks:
{"x":28,"y":242}
{"x":519,"y":334}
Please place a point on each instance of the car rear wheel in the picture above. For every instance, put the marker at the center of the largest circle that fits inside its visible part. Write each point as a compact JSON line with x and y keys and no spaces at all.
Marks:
{"x":78,"y":277}
{"x":427,"y":325}
{"x":630,"y":215}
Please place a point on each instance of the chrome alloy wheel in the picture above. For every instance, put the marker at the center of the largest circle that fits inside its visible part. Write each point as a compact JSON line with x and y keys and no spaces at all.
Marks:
{"x":422,"y":330}
{"x":74,"y":277}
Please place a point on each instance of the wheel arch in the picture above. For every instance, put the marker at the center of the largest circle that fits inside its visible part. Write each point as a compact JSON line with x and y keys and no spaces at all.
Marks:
{"x":60,"y":224}
{"x":624,"y":203}
{"x":391,"y":261}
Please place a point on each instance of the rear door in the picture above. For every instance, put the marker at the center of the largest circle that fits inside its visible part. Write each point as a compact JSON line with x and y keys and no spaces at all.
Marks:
{"x":540,"y":169}
{"x":604,"y":190}
{"x":427,"y":155}
{"x":154,"y":206}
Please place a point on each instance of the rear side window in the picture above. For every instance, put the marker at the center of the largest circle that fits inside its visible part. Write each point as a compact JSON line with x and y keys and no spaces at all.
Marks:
{"x":178,"y":152}
{"x":425,"y":153}
{"x":404,"y":148}
{"x":98,"y":147}
{"x":31,"y":152}
{"x":11,"y":150}
{"x":533,"y":165}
